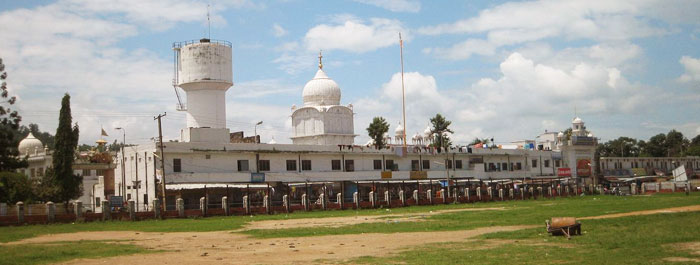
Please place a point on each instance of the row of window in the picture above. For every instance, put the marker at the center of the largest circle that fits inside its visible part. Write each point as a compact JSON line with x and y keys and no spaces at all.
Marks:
{"x":98,"y":172}
{"x":264,"y":165}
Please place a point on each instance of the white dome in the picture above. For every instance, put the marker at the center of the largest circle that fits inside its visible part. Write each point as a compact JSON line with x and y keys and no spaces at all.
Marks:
{"x":577,"y":120}
{"x":416,"y":136}
{"x":29,"y":144}
{"x":321,"y":91}
{"x":272,"y":141}
{"x":428,"y":131}
{"x":399,"y":130}
{"x":590,"y":135}
{"x":560,"y":135}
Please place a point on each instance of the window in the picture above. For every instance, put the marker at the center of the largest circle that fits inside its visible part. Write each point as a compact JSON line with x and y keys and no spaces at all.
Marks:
{"x":305,"y":164}
{"x":86,"y":172}
{"x":97,"y":201}
{"x":518,"y":166}
{"x":534,"y":163}
{"x":243,"y":165}
{"x":546,"y":163}
{"x":128,"y":197}
{"x":145,"y":199}
{"x":291,"y":165}
{"x":207,"y":157}
{"x":390,"y":165}
{"x":504,"y":166}
{"x":128,"y":187}
{"x":557,"y":163}
{"x":349,"y":165}
{"x":415,"y":165}
{"x":449,"y":164}
{"x":492,"y":167}
{"x":335,"y":164}
{"x":377,"y":164}
{"x":264,"y":165}
{"x":426,"y":164}
{"x":99,"y":172}
{"x":177,"y":165}
{"x":458,"y":164}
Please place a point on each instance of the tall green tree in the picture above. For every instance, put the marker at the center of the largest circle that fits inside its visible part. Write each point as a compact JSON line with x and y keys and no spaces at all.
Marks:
{"x":441,"y":127}
{"x":656,"y":146}
{"x":68,"y":185}
{"x":376,"y":131}
{"x":9,"y":124}
{"x":694,"y":147}
{"x":675,"y":143}
{"x":15,"y":187}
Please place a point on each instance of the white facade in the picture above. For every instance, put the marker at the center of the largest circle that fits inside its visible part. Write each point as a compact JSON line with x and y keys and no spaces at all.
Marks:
{"x":322,"y":120}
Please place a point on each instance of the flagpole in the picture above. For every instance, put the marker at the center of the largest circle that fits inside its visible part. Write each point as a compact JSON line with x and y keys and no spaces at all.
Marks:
{"x":403,"y":93}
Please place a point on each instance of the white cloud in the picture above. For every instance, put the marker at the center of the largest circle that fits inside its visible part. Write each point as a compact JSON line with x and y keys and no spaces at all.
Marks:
{"x":394,"y":5}
{"x":354,"y":36}
{"x":463,"y":50}
{"x":692,"y":69}
{"x":278,"y":30}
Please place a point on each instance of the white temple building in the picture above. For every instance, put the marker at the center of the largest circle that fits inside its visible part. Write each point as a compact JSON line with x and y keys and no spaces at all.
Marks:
{"x":322,"y":120}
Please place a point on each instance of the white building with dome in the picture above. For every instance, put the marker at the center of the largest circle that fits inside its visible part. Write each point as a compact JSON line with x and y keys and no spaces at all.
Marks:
{"x":322,"y":120}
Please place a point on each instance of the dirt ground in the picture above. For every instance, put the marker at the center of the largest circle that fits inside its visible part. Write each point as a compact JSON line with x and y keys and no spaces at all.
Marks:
{"x":692,"y":208}
{"x":226,"y":247}
{"x":352,"y":220}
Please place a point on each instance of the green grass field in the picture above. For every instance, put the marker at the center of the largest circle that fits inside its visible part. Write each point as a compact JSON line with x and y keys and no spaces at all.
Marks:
{"x":627,"y":240}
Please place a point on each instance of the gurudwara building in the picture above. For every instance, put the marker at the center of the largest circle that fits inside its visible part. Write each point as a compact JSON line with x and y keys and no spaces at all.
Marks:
{"x":323,"y":149}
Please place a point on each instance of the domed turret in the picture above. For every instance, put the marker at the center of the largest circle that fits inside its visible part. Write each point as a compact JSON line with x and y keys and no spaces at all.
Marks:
{"x":30,"y":145}
{"x":399,"y":130}
{"x":321,"y":90}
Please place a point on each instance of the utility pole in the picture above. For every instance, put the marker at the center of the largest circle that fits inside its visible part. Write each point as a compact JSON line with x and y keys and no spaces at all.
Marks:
{"x":162,"y":156}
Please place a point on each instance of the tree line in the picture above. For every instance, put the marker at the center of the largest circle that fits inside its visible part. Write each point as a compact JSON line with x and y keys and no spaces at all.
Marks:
{"x":671,"y":144}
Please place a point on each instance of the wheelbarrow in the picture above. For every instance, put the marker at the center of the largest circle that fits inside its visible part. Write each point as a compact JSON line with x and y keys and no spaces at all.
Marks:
{"x":566,"y":226}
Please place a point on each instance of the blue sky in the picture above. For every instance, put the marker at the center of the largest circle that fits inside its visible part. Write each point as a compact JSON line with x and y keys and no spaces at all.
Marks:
{"x":508,"y":70}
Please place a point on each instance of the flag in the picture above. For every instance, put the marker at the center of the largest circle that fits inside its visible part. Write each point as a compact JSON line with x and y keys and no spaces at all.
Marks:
{"x":103,"y":132}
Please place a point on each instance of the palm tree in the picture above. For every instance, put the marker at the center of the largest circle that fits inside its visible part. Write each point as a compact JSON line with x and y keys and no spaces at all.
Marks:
{"x":440,"y":130}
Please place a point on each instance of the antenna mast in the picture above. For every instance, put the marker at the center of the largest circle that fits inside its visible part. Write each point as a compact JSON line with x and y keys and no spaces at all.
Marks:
{"x":208,"y":24}
{"x":403,"y":93}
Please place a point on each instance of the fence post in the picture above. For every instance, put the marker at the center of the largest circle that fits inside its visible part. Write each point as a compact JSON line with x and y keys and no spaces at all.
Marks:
{"x":402,"y":197}
{"x":356,"y":200}
{"x":633,"y":188}
{"x":466,"y":194}
{"x":305,"y":202}
{"x":489,"y":191}
{"x":156,"y":209}
{"x":429,"y":194}
{"x":20,"y":212}
{"x":387,"y":198}
{"x":203,"y":205}
{"x":372,"y":199}
{"x":132,"y":211}
{"x":576,"y":190}
{"x":500,"y":194}
{"x":339,"y":199}
{"x":568,"y":191}
{"x":224,"y":204}
{"x":478,"y":193}
{"x":78,"y":209}
{"x":106,"y":211}
{"x":415,"y":196}
{"x":285,"y":201}
{"x":267,"y":204}
{"x":246,"y":204}
{"x":180,"y":205}
{"x":511,"y":194}
{"x":50,"y":212}
{"x":443,"y":196}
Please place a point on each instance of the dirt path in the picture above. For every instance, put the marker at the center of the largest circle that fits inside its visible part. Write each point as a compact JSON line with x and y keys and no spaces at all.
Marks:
{"x":352,"y":220}
{"x":232,"y":248}
{"x":691,"y":208}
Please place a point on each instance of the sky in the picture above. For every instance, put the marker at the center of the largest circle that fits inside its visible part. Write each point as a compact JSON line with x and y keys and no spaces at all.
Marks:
{"x":507,"y":70}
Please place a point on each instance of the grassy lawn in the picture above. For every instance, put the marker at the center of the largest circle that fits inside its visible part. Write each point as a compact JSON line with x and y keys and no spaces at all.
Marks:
{"x":63,"y":251}
{"x":516,"y":213}
{"x":627,"y":240}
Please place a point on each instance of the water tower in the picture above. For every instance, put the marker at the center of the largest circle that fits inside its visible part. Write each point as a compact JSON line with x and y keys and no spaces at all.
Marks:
{"x":203,"y":69}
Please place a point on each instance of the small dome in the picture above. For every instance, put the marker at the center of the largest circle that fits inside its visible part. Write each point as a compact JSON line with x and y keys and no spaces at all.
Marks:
{"x":370,"y":142}
{"x":560,"y":135}
{"x":386,"y":135}
{"x":416,"y":136}
{"x":590,"y":135}
{"x":428,"y":131}
{"x":577,"y":120}
{"x":399,"y":130}
{"x":272,"y":141}
{"x":29,"y":144}
{"x":321,"y":91}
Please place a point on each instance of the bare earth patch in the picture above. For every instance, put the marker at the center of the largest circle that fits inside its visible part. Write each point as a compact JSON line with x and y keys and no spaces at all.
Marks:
{"x":682,"y":259}
{"x":352,"y":220}
{"x":691,"y":208}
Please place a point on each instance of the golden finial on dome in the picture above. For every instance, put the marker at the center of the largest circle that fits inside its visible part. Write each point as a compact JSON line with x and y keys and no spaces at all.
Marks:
{"x":320,"y":59}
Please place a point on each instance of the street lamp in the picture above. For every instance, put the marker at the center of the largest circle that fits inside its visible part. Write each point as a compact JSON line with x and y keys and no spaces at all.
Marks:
{"x":123,"y":187}
{"x":256,"y":131}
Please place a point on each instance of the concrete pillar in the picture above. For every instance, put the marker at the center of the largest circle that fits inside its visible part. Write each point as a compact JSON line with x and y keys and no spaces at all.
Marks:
{"x":130,"y":206}
{"x":180,"y":205}
{"x":600,"y":189}
{"x":78,"y":210}
{"x":402,"y":197}
{"x":285,"y":201}
{"x":156,"y":209}
{"x":339,"y":200}
{"x":50,"y":212}
{"x":568,"y":191}
{"x":455,"y":194}
{"x":489,"y":191}
{"x":576,"y":190}
{"x":559,"y":191}
{"x":549,"y":190}
{"x":478,"y":193}
{"x":246,"y":204}
{"x":372,"y":199}
{"x":644,"y":189}
{"x":531,"y":192}
{"x":443,"y":196}
{"x":511,"y":194}
{"x":322,"y":197}
{"x":203,"y":205}
{"x":356,"y":200}
{"x":305,"y":202}
{"x":429,"y":194}
{"x":590,"y":188}
{"x":387,"y":198}
{"x":500,"y":194}
{"x":633,"y":188}
{"x":20,"y":212}
{"x":224,"y":205}
{"x":466,"y":194}
{"x":106,"y":211}
{"x":415,"y":196}
{"x":268,"y":204}
{"x":658,"y":186}
{"x":673,"y":186}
